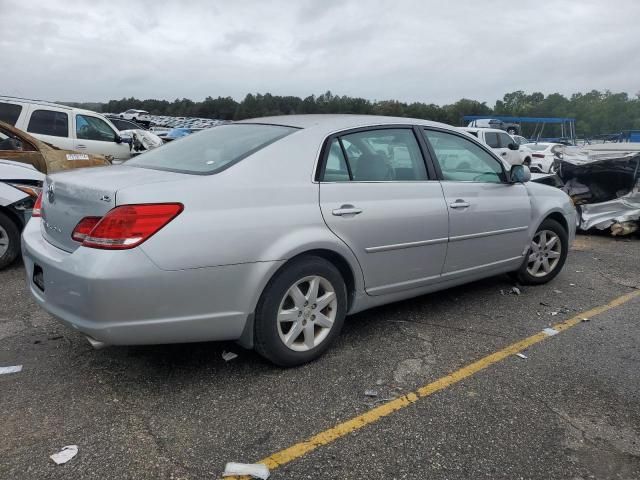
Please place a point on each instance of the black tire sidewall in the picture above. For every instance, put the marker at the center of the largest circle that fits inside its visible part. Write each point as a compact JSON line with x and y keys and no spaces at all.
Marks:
{"x":13,"y":233}
{"x":267,"y":341}
{"x":524,"y":276}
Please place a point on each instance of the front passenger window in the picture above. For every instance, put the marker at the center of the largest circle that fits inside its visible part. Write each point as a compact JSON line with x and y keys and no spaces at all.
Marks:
{"x":92,"y":128}
{"x":462,"y":160}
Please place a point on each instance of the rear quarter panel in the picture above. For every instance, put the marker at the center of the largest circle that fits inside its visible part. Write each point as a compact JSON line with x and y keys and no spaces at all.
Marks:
{"x":263,"y":209}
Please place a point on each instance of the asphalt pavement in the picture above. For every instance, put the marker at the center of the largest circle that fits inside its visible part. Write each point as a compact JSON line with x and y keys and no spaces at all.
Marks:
{"x":569,"y":410}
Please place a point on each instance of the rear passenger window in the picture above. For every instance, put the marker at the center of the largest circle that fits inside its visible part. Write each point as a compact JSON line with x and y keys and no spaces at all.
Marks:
{"x":375,"y":156}
{"x":336,"y":169}
{"x":48,"y":122}
{"x":492,"y":139}
{"x":9,"y":113}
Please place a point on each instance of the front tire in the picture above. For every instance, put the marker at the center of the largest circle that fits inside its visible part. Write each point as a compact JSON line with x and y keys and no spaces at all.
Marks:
{"x":546,"y":255}
{"x":9,"y":241}
{"x":300,"y":312}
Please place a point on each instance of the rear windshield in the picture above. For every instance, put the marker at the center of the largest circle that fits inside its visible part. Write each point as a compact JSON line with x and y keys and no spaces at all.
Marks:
{"x":211,"y":150}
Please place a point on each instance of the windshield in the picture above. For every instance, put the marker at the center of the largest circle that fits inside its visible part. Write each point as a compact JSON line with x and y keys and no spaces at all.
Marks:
{"x":213,"y":149}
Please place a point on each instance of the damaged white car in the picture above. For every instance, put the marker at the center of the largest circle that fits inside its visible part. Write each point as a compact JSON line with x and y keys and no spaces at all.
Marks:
{"x":604,"y":186}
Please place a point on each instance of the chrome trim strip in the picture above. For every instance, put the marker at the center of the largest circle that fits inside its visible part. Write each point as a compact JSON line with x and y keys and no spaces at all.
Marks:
{"x":486,"y":265}
{"x":487,"y":234}
{"x":399,"y":246}
{"x":406,"y":285}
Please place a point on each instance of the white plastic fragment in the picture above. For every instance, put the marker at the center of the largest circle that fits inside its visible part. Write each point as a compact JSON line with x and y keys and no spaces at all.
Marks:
{"x":551,"y":331}
{"x":64,"y":455}
{"x":256,"y":470}
{"x":553,"y":314}
{"x":515,"y":290}
{"x":228,"y":356}
{"x":572,"y":284}
{"x":12,"y":369}
{"x":557,"y":291}
{"x":521,"y":355}
{"x":370,"y":393}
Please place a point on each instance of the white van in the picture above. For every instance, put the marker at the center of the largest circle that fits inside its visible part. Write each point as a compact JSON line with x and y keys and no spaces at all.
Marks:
{"x":65,"y":127}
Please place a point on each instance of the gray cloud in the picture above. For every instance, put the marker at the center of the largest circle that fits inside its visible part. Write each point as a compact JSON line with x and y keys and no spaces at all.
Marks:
{"x":410,"y":50}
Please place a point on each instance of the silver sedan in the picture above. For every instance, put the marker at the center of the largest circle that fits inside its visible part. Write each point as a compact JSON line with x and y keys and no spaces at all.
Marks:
{"x":271,"y":231}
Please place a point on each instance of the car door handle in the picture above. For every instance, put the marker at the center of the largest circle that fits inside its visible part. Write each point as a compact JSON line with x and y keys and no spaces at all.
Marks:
{"x":504,"y":154}
{"x":346,"y":210}
{"x":459,"y":204}
{"x":81,"y":146}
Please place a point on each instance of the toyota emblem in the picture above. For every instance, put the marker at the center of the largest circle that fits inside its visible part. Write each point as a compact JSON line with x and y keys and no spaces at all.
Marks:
{"x":51,"y":196}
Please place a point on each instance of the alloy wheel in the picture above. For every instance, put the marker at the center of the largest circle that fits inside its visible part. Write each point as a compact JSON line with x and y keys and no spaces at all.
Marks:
{"x":307,"y":313}
{"x":544,"y":253}
{"x":4,"y":241}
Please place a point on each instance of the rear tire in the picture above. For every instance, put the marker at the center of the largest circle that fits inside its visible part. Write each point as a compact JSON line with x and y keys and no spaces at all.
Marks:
{"x":300,"y":312}
{"x":9,"y":241}
{"x":546,"y":255}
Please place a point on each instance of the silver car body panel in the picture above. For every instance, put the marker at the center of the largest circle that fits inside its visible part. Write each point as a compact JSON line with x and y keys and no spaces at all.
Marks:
{"x":201,"y":277}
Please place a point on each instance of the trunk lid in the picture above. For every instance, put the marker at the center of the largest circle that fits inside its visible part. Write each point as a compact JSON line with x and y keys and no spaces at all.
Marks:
{"x":70,"y":196}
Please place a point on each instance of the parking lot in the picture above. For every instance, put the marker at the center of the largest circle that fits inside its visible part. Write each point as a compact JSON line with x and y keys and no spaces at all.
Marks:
{"x":568,"y":410}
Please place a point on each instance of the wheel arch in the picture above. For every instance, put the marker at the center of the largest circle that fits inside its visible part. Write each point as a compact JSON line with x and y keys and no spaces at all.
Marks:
{"x":558,"y":217}
{"x":13,"y":216}
{"x":351,"y":275}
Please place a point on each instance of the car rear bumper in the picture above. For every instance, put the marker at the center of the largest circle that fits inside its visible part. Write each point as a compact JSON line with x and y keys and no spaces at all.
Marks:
{"x":123,"y":298}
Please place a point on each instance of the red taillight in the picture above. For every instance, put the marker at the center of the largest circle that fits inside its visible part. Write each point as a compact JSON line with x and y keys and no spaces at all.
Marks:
{"x":538,"y":155}
{"x":128,"y":226}
{"x":37,"y":207}
{"x":84,"y":227}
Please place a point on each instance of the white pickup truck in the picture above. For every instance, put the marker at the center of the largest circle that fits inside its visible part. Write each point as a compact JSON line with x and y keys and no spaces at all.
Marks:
{"x":65,"y":127}
{"x":500,"y":142}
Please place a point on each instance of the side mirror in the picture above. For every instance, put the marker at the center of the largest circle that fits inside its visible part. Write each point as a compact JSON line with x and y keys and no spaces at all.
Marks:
{"x":513,"y":146}
{"x":117,"y":138}
{"x":519,"y":174}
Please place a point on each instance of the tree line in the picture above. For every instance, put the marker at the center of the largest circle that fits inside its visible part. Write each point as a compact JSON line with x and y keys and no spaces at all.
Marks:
{"x":595,"y":112}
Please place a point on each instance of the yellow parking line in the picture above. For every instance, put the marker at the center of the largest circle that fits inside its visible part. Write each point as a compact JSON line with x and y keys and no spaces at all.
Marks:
{"x":323,"y":438}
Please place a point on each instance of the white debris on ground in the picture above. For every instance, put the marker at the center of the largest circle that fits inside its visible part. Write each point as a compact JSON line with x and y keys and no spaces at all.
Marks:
{"x":228,"y":356}
{"x":521,"y":355}
{"x":64,"y":455}
{"x":551,"y":331}
{"x":370,"y":393}
{"x":12,"y":369}
{"x":255,"y":470}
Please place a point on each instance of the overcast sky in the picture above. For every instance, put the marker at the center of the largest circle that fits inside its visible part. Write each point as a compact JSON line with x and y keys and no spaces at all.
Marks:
{"x":428,"y":51}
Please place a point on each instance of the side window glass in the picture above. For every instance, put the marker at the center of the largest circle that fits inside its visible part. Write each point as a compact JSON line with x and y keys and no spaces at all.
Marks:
{"x":384,"y":155}
{"x":9,"y":113}
{"x":505,"y":140}
{"x":93,"y":128}
{"x":492,"y":139}
{"x":48,"y":122}
{"x":336,"y":168}
{"x":462,"y":160}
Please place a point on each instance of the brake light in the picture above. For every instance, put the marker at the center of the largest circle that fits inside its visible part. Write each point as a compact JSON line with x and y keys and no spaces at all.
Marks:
{"x":84,"y":227}
{"x":538,"y":155}
{"x":37,"y":207}
{"x":128,"y":226}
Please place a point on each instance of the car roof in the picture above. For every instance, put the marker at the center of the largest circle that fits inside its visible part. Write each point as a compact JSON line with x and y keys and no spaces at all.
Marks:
{"x":335,"y":122}
{"x":477,"y":129}
{"x":46,"y":103}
